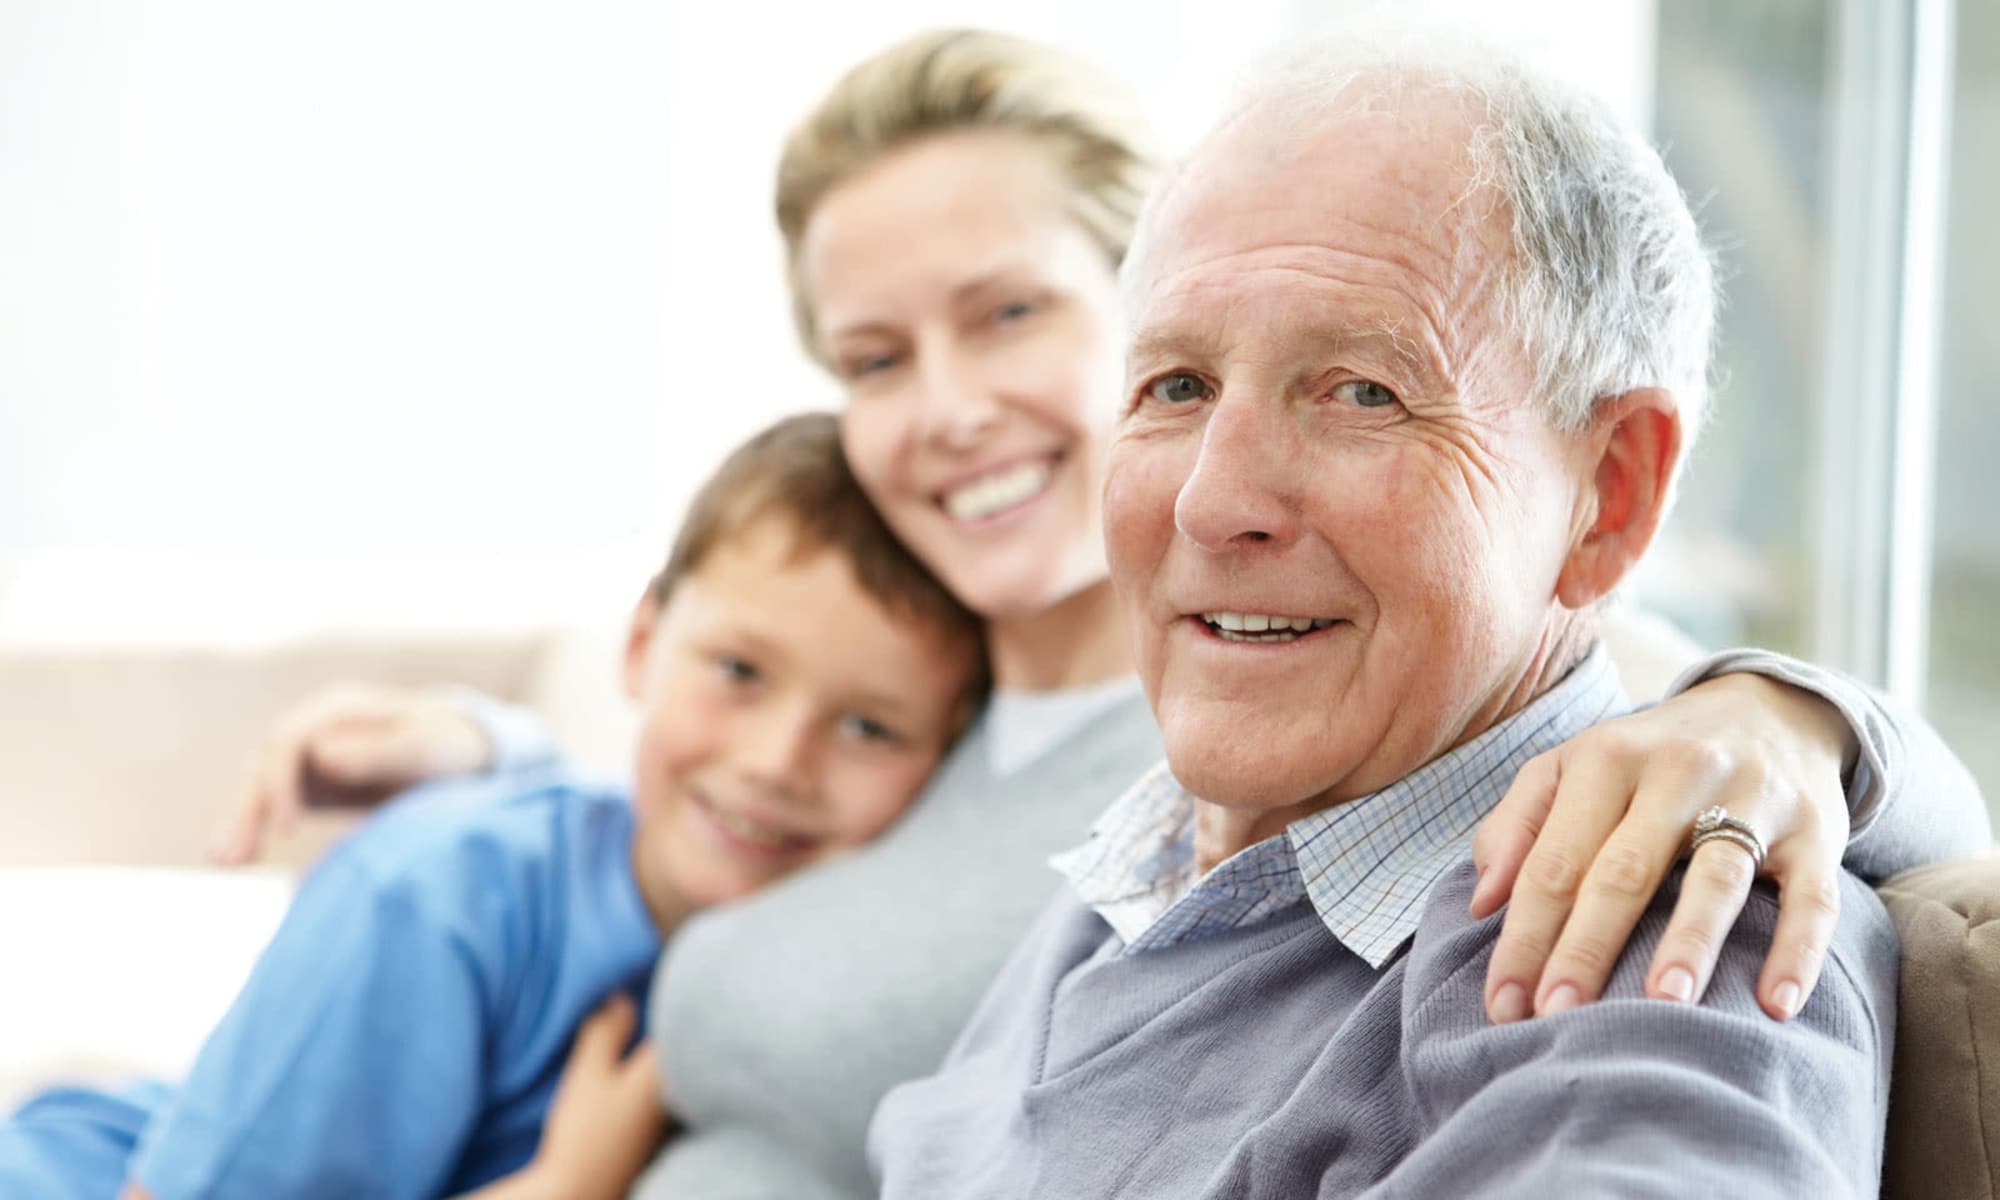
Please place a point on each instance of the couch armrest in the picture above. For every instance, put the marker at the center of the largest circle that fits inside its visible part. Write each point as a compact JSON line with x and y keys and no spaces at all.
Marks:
{"x":1944,"y":1096}
{"x":129,"y":755}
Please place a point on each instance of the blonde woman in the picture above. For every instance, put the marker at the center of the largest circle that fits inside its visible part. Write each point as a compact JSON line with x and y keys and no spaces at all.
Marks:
{"x":955,"y":212}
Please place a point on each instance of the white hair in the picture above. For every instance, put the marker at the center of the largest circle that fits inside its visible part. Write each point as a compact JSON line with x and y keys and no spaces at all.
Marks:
{"x":1609,"y":287}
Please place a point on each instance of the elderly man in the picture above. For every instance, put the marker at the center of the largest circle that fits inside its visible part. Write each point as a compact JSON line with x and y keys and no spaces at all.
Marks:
{"x":1417,"y":343}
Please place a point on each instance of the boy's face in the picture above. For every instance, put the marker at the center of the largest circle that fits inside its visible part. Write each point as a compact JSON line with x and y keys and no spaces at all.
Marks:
{"x":785,"y":717}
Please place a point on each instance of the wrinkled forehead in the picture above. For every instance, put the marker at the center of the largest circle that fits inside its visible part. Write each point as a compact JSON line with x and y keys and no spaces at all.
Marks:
{"x":1391,"y":176}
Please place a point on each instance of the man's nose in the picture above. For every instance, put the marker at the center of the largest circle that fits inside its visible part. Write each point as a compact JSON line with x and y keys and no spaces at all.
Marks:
{"x":1242,"y":490}
{"x":959,"y":404}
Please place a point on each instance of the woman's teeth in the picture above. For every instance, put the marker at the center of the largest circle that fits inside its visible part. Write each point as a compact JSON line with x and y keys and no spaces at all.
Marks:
{"x":997,"y":492}
{"x":1262,"y":627}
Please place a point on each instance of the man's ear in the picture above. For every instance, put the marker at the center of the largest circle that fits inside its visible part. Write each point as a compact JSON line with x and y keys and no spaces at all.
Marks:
{"x":1634,"y":443}
{"x":639,"y":642}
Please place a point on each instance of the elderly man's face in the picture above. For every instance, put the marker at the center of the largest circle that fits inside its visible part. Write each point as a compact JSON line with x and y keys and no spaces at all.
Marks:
{"x":1327,"y":427}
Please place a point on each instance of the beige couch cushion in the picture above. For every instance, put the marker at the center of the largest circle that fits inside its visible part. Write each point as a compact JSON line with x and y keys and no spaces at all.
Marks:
{"x":127,"y":756}
{"x":1944,"y":1100}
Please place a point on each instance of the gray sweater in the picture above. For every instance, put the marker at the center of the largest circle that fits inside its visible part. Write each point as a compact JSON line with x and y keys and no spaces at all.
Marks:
{"x":1239,"y":1042}
{"x":783,"y":1018}
{"x":1271,"y":1062}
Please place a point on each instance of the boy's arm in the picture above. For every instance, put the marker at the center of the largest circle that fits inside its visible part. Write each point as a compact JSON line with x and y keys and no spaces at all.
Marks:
{"x":352,"y":1061}
{"x":355,"y":745}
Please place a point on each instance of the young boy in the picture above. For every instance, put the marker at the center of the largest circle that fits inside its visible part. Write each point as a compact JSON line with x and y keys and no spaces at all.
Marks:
{"x":798,"y":675}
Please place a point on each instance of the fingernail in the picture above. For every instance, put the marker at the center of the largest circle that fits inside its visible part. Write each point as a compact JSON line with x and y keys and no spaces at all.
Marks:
{"x":1678,"y":984}
{"x":1786,"y":997}
{"x":1510,"y":1004}
{"x":1564,"y":998}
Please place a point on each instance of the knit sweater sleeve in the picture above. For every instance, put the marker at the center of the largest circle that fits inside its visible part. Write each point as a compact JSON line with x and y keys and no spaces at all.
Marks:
{"x":1639,"y":1097}
{"x":1911,"y":801}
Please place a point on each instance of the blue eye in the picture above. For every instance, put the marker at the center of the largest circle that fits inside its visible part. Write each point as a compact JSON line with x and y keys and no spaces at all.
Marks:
{"x":873,"y":364}
{"x":737,"y":670}
{"x":867,"y":729}
{"x":1012,"y":312}
{"x":1366,"y":393}
{"x":1178,"y":388}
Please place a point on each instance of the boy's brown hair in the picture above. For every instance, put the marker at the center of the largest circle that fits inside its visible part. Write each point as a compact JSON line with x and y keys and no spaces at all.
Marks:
{"x":795,"y":469}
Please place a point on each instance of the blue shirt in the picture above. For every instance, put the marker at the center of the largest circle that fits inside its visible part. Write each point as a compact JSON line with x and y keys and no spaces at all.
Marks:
{"x":403,"y":1033}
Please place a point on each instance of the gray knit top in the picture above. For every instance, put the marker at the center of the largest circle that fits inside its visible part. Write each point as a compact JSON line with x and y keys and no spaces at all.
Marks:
{"x":783,"y":1018}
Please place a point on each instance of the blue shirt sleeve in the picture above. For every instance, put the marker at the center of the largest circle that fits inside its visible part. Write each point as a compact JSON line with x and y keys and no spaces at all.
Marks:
{"x":351,"y":1064}
{"x":517,"y":735}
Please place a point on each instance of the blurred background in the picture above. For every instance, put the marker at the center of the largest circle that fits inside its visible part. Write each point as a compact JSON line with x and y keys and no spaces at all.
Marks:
{"x":394,"y":330}
{"x":360,"y":339}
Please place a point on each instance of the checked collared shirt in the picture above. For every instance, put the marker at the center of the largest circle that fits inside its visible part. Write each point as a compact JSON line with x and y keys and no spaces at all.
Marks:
{"x":1366,"y":865}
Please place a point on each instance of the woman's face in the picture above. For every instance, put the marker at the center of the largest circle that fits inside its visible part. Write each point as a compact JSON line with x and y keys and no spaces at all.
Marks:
{"x":975,"y":325}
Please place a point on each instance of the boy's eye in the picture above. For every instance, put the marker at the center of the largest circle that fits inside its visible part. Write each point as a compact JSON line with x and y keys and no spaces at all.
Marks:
{"x":1177,"y":388}
{"x":867,"y":729}
{"x":736,"y":670}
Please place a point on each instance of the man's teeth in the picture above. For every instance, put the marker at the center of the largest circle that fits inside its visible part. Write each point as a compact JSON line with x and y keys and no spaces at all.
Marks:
{"x":1262,"y":627}
{"x":755,"y":832}
{"x":997,"y":492}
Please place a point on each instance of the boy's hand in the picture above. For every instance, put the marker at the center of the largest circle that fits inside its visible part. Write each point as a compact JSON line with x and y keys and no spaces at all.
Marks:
{"x":348,"y":744}
{"x":606,"y":1120}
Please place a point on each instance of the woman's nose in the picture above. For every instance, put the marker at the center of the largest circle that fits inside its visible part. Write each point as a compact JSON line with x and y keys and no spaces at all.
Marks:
{"x":960,"y":406}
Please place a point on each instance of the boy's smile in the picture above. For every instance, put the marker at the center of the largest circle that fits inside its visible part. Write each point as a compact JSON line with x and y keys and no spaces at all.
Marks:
{"x":786,"y":716}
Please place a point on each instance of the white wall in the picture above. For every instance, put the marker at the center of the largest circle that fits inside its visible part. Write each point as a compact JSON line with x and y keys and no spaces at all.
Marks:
{"x":350,"y":312}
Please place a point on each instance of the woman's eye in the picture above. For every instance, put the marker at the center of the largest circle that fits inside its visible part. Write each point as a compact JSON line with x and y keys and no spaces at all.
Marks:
{"x":867,"y":729}
{"x":1366,"y":393}
{"x":1178,"y":388}
{"x":872,"y":364}
{"x":1012,"y":312}
{"x":736,"y":670}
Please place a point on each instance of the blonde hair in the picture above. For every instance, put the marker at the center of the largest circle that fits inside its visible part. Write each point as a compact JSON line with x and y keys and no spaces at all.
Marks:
{"x":962,"y":80}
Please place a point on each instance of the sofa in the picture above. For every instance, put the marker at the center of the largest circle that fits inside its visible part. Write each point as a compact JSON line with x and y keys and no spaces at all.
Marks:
{"x":115,"y":763}
{"x":122,"y":945}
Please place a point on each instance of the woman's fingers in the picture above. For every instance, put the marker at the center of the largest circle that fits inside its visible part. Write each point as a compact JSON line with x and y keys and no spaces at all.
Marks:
{"x":1673,"y":781}
{"x":1545,"y":891}
{"x":1615,"y":893}
{"x":1712,"y":895}
{"x":1508,"y":833}
{"x":1808,"y":910}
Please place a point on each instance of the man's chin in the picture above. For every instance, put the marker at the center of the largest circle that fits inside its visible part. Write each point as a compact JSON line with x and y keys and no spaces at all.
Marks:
{"x":1247,"y":784}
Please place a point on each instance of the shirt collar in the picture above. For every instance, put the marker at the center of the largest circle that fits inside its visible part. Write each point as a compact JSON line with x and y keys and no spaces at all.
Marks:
{"x":1366,"y":865}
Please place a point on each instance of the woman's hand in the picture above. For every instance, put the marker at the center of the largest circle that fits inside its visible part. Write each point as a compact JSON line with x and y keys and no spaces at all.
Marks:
{"x":350,"y":744}
{"x":1589,"y":830}
{"x":606,"y":1120}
